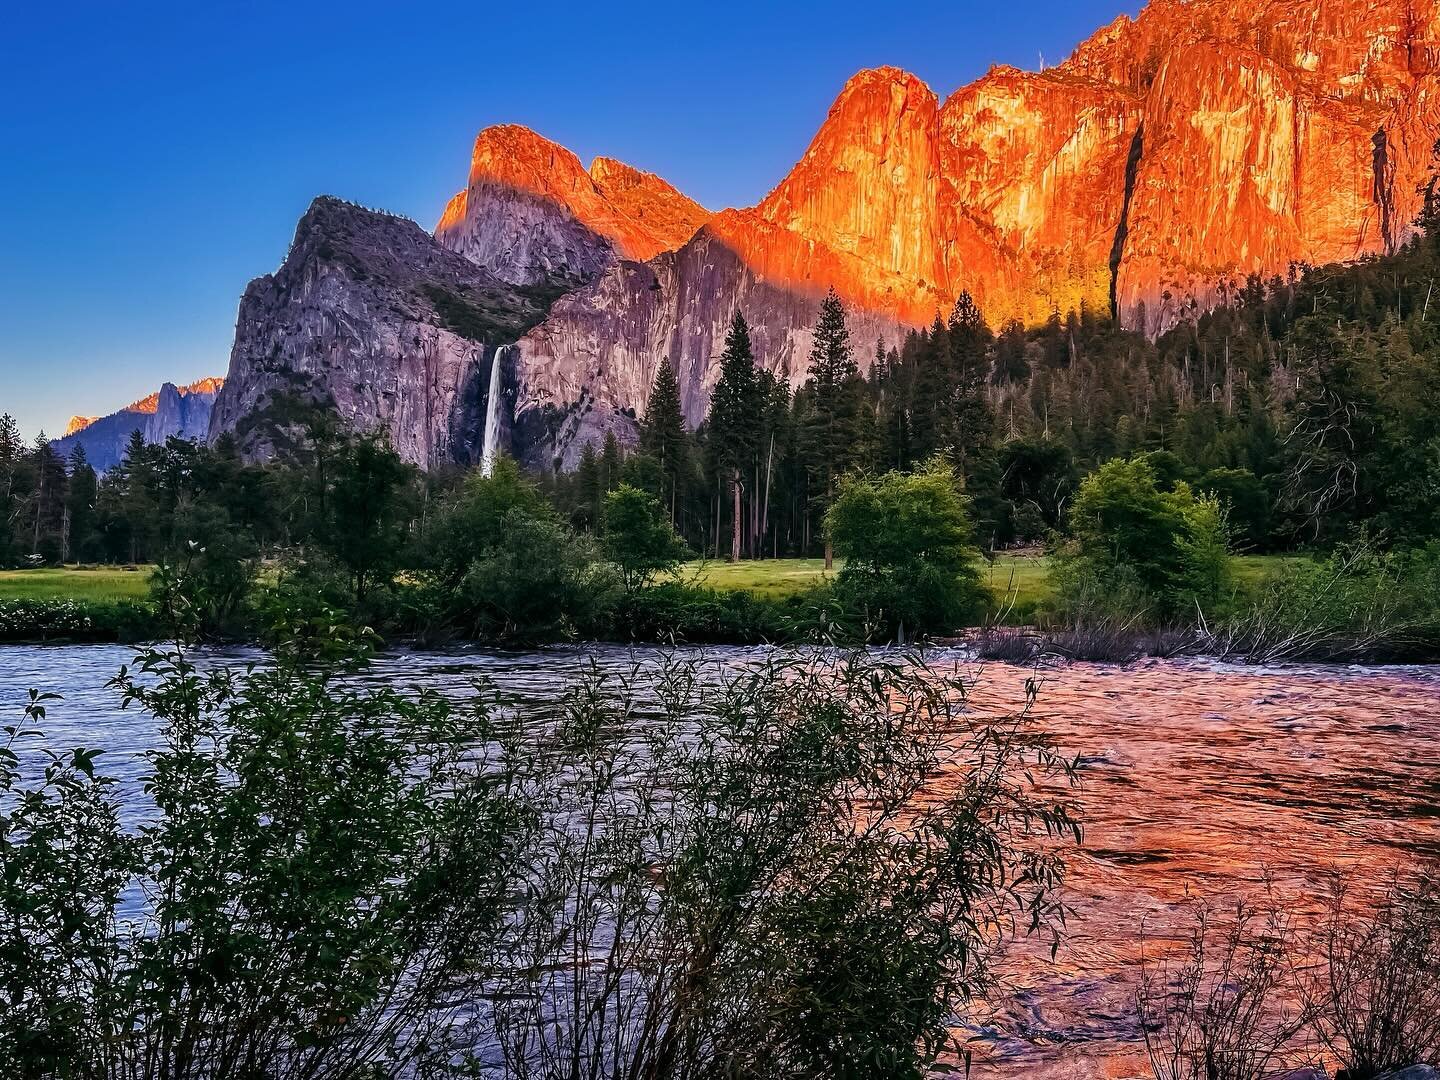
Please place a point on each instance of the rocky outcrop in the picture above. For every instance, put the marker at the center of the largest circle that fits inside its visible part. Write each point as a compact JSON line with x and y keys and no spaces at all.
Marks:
{"x":1171,"y":157}
{"x":179,"y":411}
{"x":533,"y":214}
{"x":370,"y":317}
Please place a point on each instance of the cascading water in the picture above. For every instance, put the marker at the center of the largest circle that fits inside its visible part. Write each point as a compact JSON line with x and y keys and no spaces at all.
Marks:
{"x":490,"y":446}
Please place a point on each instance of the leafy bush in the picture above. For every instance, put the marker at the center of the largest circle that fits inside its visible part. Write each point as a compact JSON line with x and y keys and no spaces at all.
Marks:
{"x":1353,"y":605}
{"x":500,"y":564}
{"x":77,"y":620}
{"x":764,"y":881}
{"x":320,"y":868}
{"x":1138,"y":547}
{"x":204,"y":586}
{"x":638,"y":536}
{"x":909,"y":551}
{"x":670,"y":877}
{"x":676,"y":612}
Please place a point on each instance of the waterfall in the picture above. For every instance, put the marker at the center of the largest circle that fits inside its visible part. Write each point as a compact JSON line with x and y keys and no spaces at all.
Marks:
{"x":490,"y":447}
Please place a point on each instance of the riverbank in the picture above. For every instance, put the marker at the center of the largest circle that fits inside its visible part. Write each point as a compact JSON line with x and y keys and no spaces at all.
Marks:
{"x":773,"y":601}
{"x":1189,"y":774}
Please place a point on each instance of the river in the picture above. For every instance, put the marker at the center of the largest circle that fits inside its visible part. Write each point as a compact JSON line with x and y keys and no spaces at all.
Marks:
{"x":1197,"y":779}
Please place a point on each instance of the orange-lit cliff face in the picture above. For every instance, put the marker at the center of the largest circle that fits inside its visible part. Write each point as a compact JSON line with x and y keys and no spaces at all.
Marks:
{"x":532,"y":213}
{"x":1169,"y":158}
{"x":1172,"y":156}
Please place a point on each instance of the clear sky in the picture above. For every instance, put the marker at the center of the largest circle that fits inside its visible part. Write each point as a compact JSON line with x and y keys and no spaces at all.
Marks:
{"x":156,"y":156}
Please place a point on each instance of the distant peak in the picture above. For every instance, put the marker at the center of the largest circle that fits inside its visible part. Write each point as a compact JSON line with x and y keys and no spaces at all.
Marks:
{"x":79,"y":423}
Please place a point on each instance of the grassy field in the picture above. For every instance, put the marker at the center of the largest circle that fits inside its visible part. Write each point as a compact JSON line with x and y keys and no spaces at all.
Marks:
{"x":104,"y":583}
{"x":1020,"y":583}
{"x":1022,"y":580}
{"x":1021,"y":577}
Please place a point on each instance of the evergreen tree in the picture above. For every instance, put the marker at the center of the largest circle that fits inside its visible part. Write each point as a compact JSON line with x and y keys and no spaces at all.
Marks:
{"x":736,"y":413}
{"x":590,"y":491}
{"x":47,"y":512}
{"x":663,"y":436}
{"x":611,"y":459}
{"x":80,"y":500}
{"x":12,"y":450}
{"x":834,"y":389}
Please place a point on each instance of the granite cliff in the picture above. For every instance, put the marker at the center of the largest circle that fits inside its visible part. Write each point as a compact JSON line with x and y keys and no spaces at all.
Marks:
{"x":1170,"y":158}
{"x":371,"y":317}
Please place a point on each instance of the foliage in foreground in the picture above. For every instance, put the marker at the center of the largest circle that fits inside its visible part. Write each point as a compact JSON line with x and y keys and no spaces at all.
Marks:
{"x":316,"y":868}
{"x":1250,"y":993}
{"x":670,"y":877}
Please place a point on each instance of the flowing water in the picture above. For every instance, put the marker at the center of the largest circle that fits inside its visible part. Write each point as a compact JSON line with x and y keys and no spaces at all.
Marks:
{"x":1196,"y":779}
{"x":490,"y":444}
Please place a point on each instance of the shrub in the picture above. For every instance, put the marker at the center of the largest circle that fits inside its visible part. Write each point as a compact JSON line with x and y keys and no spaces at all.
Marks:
{"x":764,"y":880}
{"x":639,"y":538}
{"x":1219,"y":1013}
{"x":1352,"y":605}
{"x":320,"y":868}
{"x":1378,"y":1005}
{"x":1136,"y":546}
{"x":501,"y":565}
{"x":674,"y":612}
{"x":77,"y":620}
{"x":909,"y":552}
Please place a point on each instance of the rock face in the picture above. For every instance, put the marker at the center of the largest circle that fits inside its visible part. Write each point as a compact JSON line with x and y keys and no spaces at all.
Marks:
{"x":372,"y":317}
{"x":532,"y":213}
{"x":1172,"y":156}
{"x":1169,"y":158}
{"x":179,"y":411}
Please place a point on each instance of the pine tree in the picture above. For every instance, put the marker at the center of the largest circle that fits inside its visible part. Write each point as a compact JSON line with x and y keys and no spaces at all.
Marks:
{"x":969,"y":425}
{"x":12,"y":449}
{"x":590,"y":491}
{"x":80,"y":502}
{"x":663,"y":436}
{"x":736,"y":412}
{"x":834,"y":389}
{"x":47,"y":521}
{"x":611,"y":459}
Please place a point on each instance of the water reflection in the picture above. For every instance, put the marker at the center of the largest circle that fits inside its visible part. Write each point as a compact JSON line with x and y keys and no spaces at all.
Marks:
{"x":1198,"y":779}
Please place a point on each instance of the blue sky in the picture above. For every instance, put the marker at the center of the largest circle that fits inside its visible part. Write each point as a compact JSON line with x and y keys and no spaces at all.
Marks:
{"x":158,"y":155}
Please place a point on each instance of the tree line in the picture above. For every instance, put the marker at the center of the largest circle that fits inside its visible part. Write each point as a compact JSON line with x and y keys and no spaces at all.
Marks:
{"x":1304,"y":405}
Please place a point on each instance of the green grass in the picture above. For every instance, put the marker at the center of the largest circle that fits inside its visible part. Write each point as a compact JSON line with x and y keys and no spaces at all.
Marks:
{"x":102,"y":584}
{"x":1020,"y":583}
{"x":1023,"y":577}
{"x":769,"y":579}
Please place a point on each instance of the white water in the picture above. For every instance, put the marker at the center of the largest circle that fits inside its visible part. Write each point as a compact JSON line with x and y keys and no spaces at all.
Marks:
{"x":490,"y":447}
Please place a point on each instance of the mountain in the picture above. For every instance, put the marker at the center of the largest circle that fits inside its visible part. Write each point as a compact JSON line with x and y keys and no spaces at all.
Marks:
{"x":181,"y":411}
{"x":532,"y":212}
{"x":1170,"y":158}
{"x":1149,"y":175}
{"x":370,"y":317}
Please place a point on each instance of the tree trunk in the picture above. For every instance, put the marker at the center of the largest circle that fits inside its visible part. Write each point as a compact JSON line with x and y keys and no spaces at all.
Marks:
{"x":735,"y":515}
{"x":829,"y":547}
{"x":765,"y":501}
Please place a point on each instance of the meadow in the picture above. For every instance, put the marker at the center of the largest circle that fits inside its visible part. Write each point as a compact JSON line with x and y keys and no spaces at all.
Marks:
{"x":103,"y":583}
{"x":1019,"y":582}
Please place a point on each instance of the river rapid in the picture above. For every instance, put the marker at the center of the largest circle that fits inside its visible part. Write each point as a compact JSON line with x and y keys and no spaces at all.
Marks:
{"x":1197,"y":779}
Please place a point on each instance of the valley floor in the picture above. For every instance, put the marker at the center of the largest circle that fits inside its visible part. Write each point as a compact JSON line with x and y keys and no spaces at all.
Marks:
{"x":1019,"y":582}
